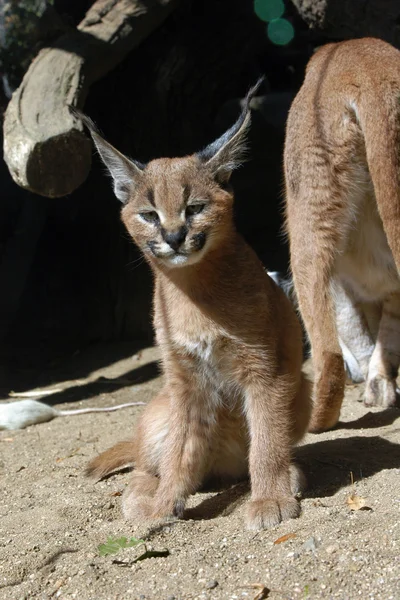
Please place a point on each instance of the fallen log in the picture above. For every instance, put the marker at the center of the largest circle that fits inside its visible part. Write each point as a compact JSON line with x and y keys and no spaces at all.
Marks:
{"x":45,"y":148}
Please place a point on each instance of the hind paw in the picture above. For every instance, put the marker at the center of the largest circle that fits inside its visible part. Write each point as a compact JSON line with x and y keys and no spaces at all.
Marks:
{"x":138,"y":499}
{"x":137,"y":508}
{"x":380,"y":391}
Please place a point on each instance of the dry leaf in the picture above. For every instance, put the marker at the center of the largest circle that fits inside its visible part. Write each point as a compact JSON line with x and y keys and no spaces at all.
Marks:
{"x":284,"y":538}
{"x":355,"y":502}
{"x":116,"y":494}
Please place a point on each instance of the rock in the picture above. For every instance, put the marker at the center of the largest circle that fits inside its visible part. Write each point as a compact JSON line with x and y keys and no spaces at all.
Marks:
{"x":310,"y":544}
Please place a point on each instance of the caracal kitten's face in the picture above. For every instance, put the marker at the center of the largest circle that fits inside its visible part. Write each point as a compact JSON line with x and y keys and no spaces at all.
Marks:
{"x":178,"y":211}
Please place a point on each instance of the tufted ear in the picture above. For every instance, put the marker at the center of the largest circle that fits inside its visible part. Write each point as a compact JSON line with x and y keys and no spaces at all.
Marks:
{"x":228,"y":152}
{"x":124,"y":171}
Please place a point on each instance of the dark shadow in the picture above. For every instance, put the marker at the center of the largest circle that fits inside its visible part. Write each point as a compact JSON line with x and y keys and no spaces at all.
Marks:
{"x":223,"y":503}
{"x":372,"y":420}
{"x":328,"y":464}
{"x":29,"y":369}
{"x":56,"y":555}
{"x":102,"y":385}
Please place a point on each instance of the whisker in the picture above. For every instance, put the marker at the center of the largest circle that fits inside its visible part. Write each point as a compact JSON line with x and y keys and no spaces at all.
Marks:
{"x":136,"y":263}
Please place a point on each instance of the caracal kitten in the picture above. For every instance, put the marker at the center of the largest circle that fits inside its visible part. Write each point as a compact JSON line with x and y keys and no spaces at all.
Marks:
{"x":234,"y":398}
{"x":343,"y":219}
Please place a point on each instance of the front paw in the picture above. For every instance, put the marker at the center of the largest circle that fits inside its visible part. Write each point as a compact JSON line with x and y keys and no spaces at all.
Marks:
{"x":168,"y":509}
{"x":380,"y":391}
{"x":261,"y":514}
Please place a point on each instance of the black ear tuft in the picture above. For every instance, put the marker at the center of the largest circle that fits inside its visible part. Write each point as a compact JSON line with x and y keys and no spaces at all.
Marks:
{"x":79,"y":116}
{"x":124,"y":171}
{"x":227,"y":152}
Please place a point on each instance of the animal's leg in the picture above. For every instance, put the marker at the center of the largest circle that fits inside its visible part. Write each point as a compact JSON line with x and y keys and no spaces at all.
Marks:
{"x":137,"y":501}
{"x":187,"y":447}
{"x":269,"y":415}
{"x":301,"y":409}
{"x":316,"y":305}
{"x":384,"y":364}
{"x":355,"y":337}
{"x":314,"y":248}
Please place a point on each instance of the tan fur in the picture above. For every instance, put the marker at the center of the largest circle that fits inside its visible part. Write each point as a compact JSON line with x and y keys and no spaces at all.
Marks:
{"x":343,"y":219}
{"x":234,"y":397}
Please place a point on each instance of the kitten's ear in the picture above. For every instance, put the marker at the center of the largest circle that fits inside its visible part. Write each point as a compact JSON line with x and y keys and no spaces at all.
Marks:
{"x":228,"y":152}
{"x":125,"y":172}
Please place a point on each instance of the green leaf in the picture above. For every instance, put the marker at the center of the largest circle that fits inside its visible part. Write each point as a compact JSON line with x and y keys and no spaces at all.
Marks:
{"x":114,"y":545}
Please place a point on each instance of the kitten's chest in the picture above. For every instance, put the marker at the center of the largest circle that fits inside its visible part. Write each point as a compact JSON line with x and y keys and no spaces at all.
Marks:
{"x":211,"y":358}
{"x":188,"y":332}
{"x":204,"y":342}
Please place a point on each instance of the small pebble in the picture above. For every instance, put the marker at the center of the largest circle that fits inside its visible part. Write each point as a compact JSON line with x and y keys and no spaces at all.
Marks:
{"x":310,"y":544}
{"x":212,"y":584}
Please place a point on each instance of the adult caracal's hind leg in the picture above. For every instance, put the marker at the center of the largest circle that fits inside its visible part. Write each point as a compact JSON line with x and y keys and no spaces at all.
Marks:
{"x":380,"y":388}
{"x":313,"y":264}
{"x":329,"y":373}
{"x":357,"y":324}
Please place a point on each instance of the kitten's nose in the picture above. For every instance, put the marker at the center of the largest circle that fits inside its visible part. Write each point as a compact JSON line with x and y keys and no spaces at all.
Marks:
{"x":175,"y":238}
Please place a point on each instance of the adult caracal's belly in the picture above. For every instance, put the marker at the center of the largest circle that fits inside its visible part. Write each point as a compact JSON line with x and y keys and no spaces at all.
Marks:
{"x":366,"y":265}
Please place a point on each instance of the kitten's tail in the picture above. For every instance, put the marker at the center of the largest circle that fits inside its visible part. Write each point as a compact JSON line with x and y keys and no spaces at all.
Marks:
{"x":120,"y":455}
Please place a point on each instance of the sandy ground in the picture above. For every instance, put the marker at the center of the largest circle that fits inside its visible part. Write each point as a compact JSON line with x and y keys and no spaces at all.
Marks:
{"x":52,"y":519}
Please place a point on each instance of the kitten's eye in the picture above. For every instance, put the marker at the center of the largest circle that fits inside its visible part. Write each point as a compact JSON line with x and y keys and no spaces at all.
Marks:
{"x":150,"y":216}
{"x":194,"y":209}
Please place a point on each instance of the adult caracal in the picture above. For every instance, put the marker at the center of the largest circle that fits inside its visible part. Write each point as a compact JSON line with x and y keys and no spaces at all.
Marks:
{"x":343,"y":219}
{"x":234,"y":397}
